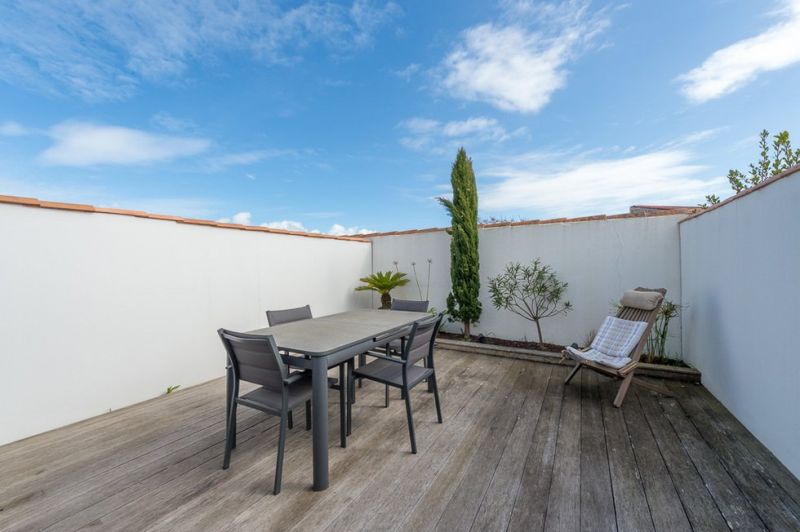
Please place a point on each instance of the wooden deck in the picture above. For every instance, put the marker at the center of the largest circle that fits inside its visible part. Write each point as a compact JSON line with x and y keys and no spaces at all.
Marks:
{"x":518,"y":450}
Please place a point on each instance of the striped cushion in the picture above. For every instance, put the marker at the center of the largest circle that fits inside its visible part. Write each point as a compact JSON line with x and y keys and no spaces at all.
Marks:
{"x":597,"y":356}
{"x":617,"y":337}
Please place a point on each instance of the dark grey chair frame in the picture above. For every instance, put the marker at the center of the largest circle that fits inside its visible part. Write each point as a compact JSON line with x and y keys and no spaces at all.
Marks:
{"x":396,"y":346}
{"x":270,"y":372}
{"x":404,"y":363}
{"x":278,"y":317}
{"x":411,"y":305}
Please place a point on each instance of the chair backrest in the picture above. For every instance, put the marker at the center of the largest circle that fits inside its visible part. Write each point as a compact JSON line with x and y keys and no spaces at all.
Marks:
{"x":276,"y":317}
{"x":410,"y":305}
{"x":254,"y":358}
{"x":647,"y":316}
{"x":421,"y":338}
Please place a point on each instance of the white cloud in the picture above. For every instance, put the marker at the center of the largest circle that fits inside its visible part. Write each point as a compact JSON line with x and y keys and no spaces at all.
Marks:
{"x":517,"y":65}
{"x":171,"y":123}
{"x":251,"y":157}
{"x":407,"y":72}
{"x":480,"y":125}
{"x":13,"y":129}
{"x":87,"y":144}
{"x":244,"y":158}
{"x":545,"y":185}
{"x":425,"y":133}
{"x":420,"y":125}
{"x":336,"y":229}
{"x":105,"y":50}
{"x":733,"y":67}
{"x":241,"y":218}
{"x":340,"y":230}
{"x":289,"y":225}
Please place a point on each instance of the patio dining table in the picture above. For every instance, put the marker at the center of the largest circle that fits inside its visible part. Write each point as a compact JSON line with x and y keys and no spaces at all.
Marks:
{"x":325,"y":342}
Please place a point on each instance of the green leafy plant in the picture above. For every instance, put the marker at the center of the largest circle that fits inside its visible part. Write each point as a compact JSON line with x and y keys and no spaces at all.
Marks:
{"x":172,"y":388}
{"x":783,"y":158}
{"x":657,"y":341}
{"x":462,"y":303}
{"x":533,"y":292}
{"x":383,"y":283}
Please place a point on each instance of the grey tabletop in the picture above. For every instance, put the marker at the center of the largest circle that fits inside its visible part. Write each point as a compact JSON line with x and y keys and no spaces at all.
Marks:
{"x":328,"y":334}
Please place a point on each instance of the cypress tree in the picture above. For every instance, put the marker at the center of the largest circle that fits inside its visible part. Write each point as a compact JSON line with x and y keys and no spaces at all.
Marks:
{"x":462,"y":302}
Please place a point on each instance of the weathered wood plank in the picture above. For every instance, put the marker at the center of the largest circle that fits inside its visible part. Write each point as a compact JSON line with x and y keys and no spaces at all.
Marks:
{"x":766,"y":461}
{"x":630,"y":503}
{"x":407,"y":476}
{"x":245,"y":495}
{"x":563,"y":504}
{"x":530,"y":505}
{"x":662,"y":498}
{"x":698,"y":503}
{"x":460,"y":512}
{"x":733,"y":505}
{"x":93,"y":490}
{"x":517,"y":450}
{"x":770,"y":501}
{"x":597,"y":501}
{"x":430,"y":506}
{"x":375,"y":435}
{"x":185,"y":480}
{"x":498,"y":502}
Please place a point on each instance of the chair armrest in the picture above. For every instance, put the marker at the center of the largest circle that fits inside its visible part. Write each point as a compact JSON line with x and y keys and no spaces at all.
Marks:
{"x":386,"y":338}
{"x":294,"y":377}
{"x":384,"y":357}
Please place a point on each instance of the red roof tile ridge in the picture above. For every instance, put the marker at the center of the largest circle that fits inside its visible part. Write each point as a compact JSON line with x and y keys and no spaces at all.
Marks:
{"x":495,"y":225}
{"x":34,"y":202}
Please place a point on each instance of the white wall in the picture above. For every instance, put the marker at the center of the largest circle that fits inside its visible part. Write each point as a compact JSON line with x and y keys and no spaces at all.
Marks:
{"x":599,"y":259}
{"x":100,"y":311}
{"x":740,"y":271}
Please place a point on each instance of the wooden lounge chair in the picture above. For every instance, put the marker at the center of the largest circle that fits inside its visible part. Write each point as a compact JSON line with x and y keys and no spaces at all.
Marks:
{"x":642,"y":312}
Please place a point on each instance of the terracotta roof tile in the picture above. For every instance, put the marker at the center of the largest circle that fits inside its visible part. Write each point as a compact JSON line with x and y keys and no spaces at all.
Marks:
{"x":33,"y":202}
{"x":596,"y":217}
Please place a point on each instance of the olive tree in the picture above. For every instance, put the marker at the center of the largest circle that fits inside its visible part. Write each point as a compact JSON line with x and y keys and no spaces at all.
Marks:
{"x":532,"y":291}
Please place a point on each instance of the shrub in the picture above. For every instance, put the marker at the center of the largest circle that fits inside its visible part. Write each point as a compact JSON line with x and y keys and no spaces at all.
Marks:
{"x":532,"y":292}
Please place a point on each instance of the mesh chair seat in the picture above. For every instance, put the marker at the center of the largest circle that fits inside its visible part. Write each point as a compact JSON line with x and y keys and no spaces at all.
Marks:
{"x":266,"y":399}
{"x":392,"y":373}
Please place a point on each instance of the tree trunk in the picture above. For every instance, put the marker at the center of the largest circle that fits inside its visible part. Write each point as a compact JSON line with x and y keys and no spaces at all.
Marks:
{"x":539,"y":330}
{"x":386,"y":301}
{"x":466,"y":330}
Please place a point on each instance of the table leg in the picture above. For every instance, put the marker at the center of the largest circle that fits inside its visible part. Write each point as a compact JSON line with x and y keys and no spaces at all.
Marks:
{"x":228,"y":397}
{"x":343,"y":404}
{"x":319,"y":381}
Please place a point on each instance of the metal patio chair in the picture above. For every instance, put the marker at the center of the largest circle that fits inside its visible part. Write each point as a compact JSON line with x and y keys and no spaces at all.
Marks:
{"x":395,"y":347}
{"x":278,"y":317}
{"x":255,"y":358}
{"x":403,"y":372}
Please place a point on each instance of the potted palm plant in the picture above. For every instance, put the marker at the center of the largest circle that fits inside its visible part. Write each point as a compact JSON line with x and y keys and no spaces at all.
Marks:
{"x":383,"y":283}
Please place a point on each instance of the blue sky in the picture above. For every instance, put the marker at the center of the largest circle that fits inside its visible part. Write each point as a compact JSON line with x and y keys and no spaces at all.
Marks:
{"x":341,"y":117}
